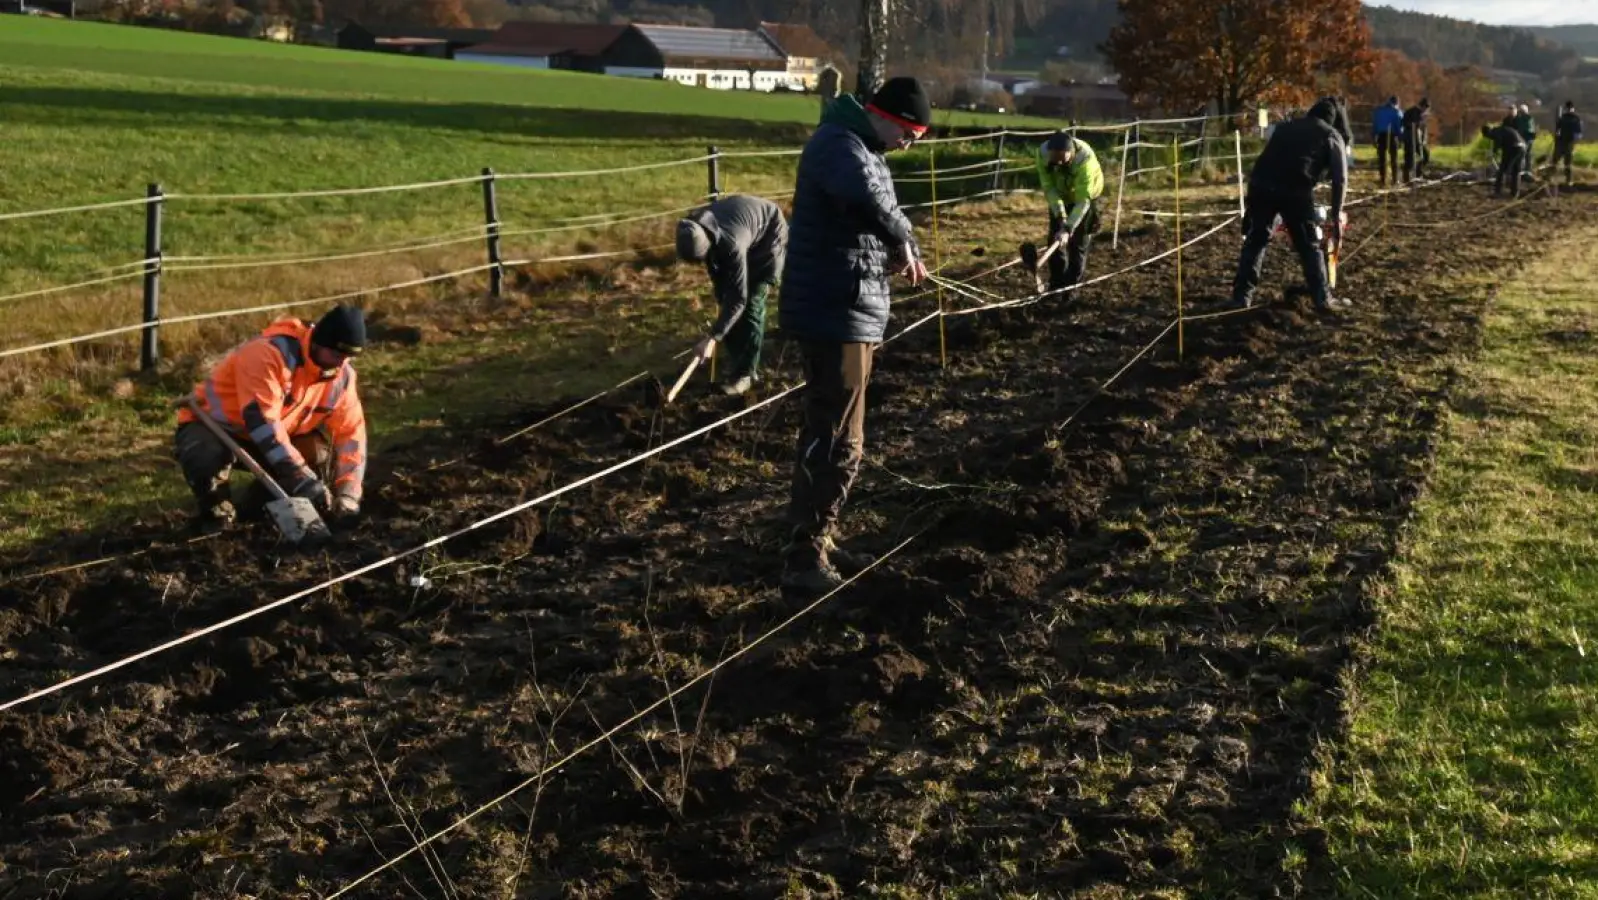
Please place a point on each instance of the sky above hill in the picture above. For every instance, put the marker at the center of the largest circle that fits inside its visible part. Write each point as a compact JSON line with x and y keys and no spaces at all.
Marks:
{"x":1505,"y":12}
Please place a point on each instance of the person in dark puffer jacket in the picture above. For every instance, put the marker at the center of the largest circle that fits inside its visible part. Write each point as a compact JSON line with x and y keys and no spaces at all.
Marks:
{"x":846,"y":236}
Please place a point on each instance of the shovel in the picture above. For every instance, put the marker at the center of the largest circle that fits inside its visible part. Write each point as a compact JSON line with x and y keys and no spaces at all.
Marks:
{"x":295,"y":517}
{"x":682,"y":379}
{"x":1033,"y":262}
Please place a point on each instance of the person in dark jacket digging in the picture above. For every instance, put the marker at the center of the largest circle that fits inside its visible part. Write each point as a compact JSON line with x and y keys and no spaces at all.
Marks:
{"x":847,"y":237}
{"x":1524,"y":123}
{"x":1567,"y":131}
{"x":1298,"y":156}
{"x":1510,"y":146}
{"x":741,"y":240}
{"x":1417,"y":150}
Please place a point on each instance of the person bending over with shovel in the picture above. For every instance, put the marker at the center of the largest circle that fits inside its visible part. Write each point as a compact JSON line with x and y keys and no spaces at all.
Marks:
{"x":288,"y":397}
{"x":1281,"y":188}
{"x":741,"y":240}
{"x":1072,"y":183}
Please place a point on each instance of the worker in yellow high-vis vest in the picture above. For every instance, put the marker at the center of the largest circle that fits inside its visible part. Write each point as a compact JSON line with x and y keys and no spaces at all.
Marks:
{"x":1072,"y":182}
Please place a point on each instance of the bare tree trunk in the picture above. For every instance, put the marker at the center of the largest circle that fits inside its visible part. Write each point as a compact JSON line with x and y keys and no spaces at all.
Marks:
{"x":873,"y":46}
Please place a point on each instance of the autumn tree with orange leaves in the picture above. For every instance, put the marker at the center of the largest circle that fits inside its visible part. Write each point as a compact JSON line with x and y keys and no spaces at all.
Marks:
{"x":1182,"y":55}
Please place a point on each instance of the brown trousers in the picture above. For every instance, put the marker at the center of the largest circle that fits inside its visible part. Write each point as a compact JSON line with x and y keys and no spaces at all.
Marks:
{"x":832,"y":435}
{"x":207,"y":462}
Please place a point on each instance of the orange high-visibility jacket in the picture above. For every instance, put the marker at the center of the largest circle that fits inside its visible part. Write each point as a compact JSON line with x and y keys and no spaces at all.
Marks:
{"x":268,"y":390}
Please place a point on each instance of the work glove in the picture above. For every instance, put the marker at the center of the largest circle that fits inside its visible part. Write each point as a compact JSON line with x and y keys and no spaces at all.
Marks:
{"x":311,"y":488}
{"x":705,"y":349}
{"x":1059,"y":234}
{"x":345,"y":508}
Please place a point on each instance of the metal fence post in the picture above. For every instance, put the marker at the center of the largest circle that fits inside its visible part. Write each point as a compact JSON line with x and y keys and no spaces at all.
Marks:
{"x":715,"y":173}
{"x":496,"y":275}
{"x":998,"y":164}
{"x":150,"y":348}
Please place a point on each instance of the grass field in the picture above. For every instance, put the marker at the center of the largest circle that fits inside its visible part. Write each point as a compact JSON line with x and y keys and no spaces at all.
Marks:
{"x":1472,"y":762}
{"x":96,"y":112}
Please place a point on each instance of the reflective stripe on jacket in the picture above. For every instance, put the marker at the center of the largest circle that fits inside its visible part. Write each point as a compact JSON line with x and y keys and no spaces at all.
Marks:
{"x":269,"y":391}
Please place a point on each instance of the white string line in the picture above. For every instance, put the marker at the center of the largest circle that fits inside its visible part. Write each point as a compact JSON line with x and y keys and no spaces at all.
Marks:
{"x":751,"y":154}
{"x":61,"y":288}
{"x":88,"y":207}
{"x":610,"y":223}
{"x":1027,"y":301}
{"x":985,"y":164}
{"x":422,"y":185}
{"x":333,"y":298}
{"x":966,"y":177}
{"x":970,"y":197}
{"x":396,"y":557}
{"x":626,"y":723}
{"x":211,"y":629}
{"x":416,"y":282}
{"x":334,"y":257}
{"x":477,"y":230}
{"x":332,"y":192}
{"x":584,"y":173}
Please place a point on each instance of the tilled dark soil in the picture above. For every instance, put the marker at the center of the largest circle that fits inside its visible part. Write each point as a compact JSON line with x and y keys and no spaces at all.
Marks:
{"x":1102,"y":667}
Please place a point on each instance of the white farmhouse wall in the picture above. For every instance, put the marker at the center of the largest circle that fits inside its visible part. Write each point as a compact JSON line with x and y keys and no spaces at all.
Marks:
{"x":717,"y":79}
{"x":524,"y":62}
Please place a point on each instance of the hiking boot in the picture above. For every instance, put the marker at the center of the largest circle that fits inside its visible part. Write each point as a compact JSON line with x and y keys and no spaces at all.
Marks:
{"x":1246,"y":302}
{"x":813,"y":581}
{"x":806,"y":569}
{"x":844,"y":561}
{"x":1334,"y":304}
{"x":738,"y":386}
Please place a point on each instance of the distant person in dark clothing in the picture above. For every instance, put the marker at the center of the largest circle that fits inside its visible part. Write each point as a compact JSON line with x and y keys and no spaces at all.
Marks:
{"x":847,"y":237}
{"x":741,"y":240}
{"x":1526,"y":126}
{"x":1387,"y":128}
{"x":1417,"y":151}
{"x":1567,"y":131}
{"x":1298,"y":156}
{"x":1511,"y":148}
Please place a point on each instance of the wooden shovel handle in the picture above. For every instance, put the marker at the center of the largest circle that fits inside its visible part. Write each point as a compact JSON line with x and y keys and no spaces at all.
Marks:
{"x":683,"y":378}
{"x":227,"y":440}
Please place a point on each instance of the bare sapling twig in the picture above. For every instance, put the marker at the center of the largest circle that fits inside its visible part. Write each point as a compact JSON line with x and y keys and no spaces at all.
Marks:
{"x":671,"y":703}
{"x":549,"y":748}
{"x":638,"y":779}
{"x":399,"y":811}
{"x":373,"y":841}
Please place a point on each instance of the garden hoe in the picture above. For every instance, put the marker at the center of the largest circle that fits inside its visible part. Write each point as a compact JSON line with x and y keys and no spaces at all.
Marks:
{"x":295,"y":517}
{"x":1033,"y":262}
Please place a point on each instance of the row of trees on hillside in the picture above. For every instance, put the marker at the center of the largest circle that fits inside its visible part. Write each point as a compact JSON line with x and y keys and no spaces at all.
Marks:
{"x":1453,"y":42}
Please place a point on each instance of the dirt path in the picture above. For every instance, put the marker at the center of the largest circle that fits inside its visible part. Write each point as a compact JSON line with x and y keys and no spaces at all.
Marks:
{"x":1101,"y":669}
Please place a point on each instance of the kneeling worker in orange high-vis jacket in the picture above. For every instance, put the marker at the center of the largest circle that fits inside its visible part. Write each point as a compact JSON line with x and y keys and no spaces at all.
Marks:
{"x":288,"y":397}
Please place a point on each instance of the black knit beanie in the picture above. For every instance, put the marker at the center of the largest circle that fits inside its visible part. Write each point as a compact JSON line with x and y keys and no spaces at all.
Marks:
{"x":342,"y":329}
{"x":903,"y":98}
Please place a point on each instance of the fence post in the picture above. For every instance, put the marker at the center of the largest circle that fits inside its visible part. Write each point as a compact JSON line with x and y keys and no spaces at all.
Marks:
{"x":1120,"y":190}
{"x":1242,"y":193}
{"x":998,"y":165}
{"x":715,"y":172}
{"x":1137,"y":148}
{"x":496,"y":275}
{"x":150,"y":348}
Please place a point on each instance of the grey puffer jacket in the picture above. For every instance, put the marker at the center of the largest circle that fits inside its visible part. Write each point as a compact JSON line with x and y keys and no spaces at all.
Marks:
{"x":748,"y":237}
{"x":846,"y":234}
